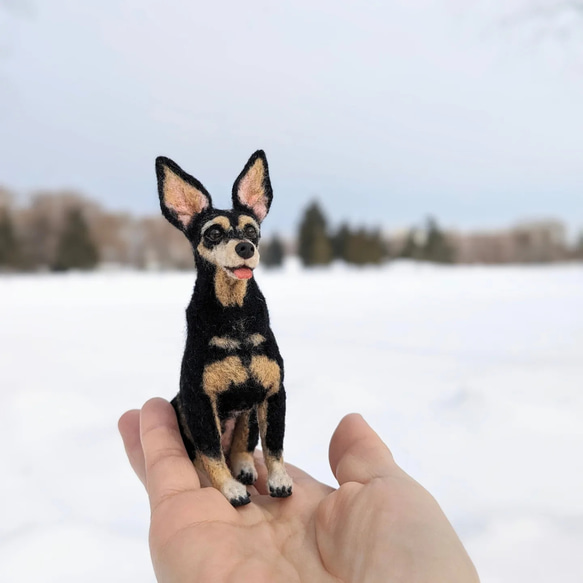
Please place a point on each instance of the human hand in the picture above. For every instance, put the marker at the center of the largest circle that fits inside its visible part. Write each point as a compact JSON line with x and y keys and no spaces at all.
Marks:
{"x":379,"y":525}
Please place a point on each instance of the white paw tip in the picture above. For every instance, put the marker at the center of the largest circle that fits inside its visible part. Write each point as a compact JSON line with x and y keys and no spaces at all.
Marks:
{"x":235,"y":493}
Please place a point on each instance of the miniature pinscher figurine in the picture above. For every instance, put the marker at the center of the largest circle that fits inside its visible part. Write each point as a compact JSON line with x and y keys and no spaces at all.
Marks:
{"x":231,"y":382}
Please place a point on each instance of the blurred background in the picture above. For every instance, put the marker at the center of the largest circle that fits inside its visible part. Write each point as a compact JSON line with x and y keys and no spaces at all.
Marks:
{"x":422,"y":260}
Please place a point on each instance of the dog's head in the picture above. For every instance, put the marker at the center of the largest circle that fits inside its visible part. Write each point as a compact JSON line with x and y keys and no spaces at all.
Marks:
{"x":224,"y":239}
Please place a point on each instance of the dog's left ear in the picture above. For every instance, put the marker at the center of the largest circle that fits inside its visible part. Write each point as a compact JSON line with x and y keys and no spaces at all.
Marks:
{"x":182,"y":196}
{"x":252,"y":189}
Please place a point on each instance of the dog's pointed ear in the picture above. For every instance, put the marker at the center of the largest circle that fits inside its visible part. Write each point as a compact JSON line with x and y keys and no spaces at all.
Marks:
{"x":252,"y":190}
{"x":182,"y":196}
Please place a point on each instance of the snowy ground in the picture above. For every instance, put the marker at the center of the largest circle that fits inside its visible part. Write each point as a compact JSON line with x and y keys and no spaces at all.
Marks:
{"x":473,"y":376}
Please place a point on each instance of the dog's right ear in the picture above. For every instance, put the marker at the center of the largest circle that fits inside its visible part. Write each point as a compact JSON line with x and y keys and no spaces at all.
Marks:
{"x":182,"y":196}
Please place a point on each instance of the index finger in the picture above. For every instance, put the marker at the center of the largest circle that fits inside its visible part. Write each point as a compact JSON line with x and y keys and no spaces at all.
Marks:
{"x":169,"y":470}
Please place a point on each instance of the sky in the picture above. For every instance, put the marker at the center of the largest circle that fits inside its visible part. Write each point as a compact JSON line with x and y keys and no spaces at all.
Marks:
{"x":384,"y":111}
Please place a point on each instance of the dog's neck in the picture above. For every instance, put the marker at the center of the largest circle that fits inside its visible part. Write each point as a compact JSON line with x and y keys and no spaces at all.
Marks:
{"x":229,"y":292}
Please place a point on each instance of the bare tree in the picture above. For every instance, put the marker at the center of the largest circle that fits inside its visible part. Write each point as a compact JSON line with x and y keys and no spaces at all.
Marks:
{"x":157,"y":245}
{"x":6,"y":198}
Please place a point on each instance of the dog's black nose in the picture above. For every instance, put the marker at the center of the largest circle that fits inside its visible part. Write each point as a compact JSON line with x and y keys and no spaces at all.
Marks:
{"x":245,"y":250}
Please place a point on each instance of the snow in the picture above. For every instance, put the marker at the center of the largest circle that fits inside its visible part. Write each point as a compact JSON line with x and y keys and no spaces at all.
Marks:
{"x":472,"y":375}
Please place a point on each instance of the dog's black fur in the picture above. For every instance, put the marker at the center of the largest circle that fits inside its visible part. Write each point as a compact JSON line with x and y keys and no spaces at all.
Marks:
{"x":232,"y":371}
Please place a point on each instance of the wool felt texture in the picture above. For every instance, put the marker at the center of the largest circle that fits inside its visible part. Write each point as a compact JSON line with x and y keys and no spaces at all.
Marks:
{"x":231,"y":383}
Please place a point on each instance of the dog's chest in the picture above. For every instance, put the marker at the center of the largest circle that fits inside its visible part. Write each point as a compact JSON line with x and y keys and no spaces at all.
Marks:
{"x":240,"y":362}
{"x":238,"y":336}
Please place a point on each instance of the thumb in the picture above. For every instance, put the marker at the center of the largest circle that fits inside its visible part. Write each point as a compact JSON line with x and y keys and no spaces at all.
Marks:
{"x":357,"y":453}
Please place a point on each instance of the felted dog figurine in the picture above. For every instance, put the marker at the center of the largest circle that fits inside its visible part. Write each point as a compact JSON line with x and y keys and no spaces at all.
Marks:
{"x":231,"y":382}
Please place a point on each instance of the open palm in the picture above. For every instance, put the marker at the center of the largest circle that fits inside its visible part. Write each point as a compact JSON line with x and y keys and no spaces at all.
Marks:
{"x":379,"y":525}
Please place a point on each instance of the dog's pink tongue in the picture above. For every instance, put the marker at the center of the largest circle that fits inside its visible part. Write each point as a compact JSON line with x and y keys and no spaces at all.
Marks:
{"x":243,"y":273}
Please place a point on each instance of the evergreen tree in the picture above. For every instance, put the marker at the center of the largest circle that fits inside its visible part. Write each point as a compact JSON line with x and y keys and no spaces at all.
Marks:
{"x":437,"y":247}
{"x":359,"y":247}
{"x":412,"y":249}
{"x":75,"y":249}
{"x":340,"y":242}
{"x":378,"y":251}
{"x":314,"y":246}
{"x":356,"y":249}
{"x":10,"y":256}
{"x":272,"y":252}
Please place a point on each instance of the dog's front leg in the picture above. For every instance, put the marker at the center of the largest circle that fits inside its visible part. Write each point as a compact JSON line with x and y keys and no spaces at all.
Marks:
{"x":271,"y":418}
{"x":210,"y":458}
{"x":221,"y":478}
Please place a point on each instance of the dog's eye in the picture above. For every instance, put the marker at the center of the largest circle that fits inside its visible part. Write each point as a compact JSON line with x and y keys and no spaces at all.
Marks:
{"x":250,"y":232}
{"x":214,"y":234}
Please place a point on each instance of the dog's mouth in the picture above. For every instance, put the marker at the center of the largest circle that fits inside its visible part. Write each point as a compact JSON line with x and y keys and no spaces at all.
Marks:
{"x":241,"y":272}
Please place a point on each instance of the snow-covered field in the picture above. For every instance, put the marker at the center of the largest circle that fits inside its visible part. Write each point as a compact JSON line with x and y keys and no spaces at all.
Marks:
{"x":473,"y":376}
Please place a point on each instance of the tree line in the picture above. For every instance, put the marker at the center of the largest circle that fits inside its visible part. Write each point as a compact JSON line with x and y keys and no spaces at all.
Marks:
{"x":74,"y":248}
{"x":59,"y":231}
{"x":63,"y":230}
{"x":320,"y":245}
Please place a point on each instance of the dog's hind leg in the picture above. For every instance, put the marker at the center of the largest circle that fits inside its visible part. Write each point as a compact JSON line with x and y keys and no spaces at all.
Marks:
{"x":183,"y":426}
{"x":245,"y":438}
{"x":271,"y":418}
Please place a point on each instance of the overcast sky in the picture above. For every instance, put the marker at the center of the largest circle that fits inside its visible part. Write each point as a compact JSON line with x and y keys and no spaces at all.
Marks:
{"x":386,"y":110}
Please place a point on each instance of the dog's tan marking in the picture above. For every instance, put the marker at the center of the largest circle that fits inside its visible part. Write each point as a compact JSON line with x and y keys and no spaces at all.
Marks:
{"x":183,"y":198}
{"x":218,"y":376}
{"x":255,"y":339}
{"x":267,"y":372}
{"x":251,"y":191}
{"x":240,"y":434}
{"x":216,"y":469}
{"x":245,"y":220}
{"x":225,"y":255}
{"x":229,"y":291}
{"x":225,"y":343}
{"x":241,"y":459}
{"x":220,"y":220}
{"x":222,"y":255}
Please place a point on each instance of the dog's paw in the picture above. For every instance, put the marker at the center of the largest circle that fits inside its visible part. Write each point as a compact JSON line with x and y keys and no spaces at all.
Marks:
{"x":280,"y":492}
{"x":245,"y":472}
{"x":235,"y":493}
{"x":246,"y":477}
{"x":241,"y":501}
{"x":279,"y":483}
